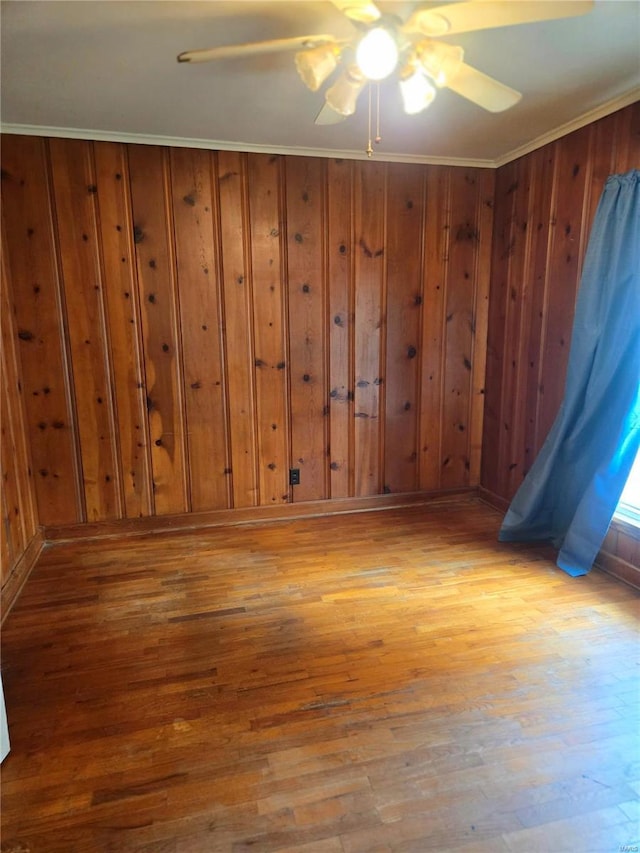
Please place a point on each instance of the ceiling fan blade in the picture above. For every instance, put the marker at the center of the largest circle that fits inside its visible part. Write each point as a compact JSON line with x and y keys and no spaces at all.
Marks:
{"x":358,"y":10}
{"x":466,"y":17}
{"x":327,"y":115}
{"x":233,"y":51}
{"x":483,"y":90}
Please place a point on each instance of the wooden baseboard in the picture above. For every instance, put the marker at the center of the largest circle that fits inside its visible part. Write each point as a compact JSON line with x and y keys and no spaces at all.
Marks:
{"x":620,"y":554}
{"x":223,"y":517}
{"x":496,"y":501}
{"x":607,"y":561}
{"x":618,"y":568}
{"x":20,"y":572}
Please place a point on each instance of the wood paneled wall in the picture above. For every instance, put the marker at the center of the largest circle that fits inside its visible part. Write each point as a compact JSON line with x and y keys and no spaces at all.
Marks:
{"x":19,"y":530}
{"x":545,"y":203}
{"x":620,"y":552}
{"x":180,"y":327}
{"x":192,"y":324}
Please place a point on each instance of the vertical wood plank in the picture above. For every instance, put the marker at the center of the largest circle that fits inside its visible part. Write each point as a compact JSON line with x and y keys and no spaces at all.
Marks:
{"x":30,"y":256}
{"x":341,"y":309}
{"x":404,"y":248}
{"x":369,"y":271}
{"x":75,"y":189}
{"x":516,"y":328}
{"x":464,"y":242}
{"x":437,"y":226}
{"x":601,"y":162}
{"x":200,"y":318}
{"x":7,"y":557}
{"x":124,"y":325}
{"x":305,"y":187}
{"x":155,"y":264}
{"x":626,"y":138}
{"x":633,"y":162}
{"x":493,"y":427}
{"x":566,"y":181}
{"x":486,"y":192}
{"x":543,"y":165}
{"x":17,"y":472}
{"x":347,"y":327}
{"x":13,"y":530}
{"x":564,"y":263}
{"x":269,"y":299}
{"x":236,"y":287}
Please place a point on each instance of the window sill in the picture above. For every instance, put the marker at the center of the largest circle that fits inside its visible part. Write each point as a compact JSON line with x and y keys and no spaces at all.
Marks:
{"x":628,"y":521}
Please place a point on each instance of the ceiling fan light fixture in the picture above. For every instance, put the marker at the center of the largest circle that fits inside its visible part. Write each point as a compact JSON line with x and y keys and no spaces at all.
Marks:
{"x":316,"y":64}
{"x":343,"y":95}
{"x":377,"y":54}
{"x":417,"y":92}
{"x":440,"y":61}
{"x":359,"y":10}
{"x":429,"y":23}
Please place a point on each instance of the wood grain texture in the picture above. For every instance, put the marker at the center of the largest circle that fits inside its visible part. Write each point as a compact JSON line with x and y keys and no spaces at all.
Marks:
{"x":252,"y":314}
{"x":620,"y":552}
{"x":404,"y":242}
{"x":198,"y":267}
{"x":411,"y":685}
{"x":340,"y":267}
{"x":19,"y":513}
{"x":567,"y":242}
{"x":370,"y":245}
{"x":156,"y":277}
{"x":74,"y":191}
{"x":544,"y":207}
{"x":436,"y":261}
{"x":283,"y":309}
{"x":265,"y":179}
{"x":237,"y":301}
{"x":122,"y":309}
{"x":462,"y":291}
{"x":480,"y":317}
{"x":30,"y":254}
{"x":16,"y":571}
{"x":307,"y":298}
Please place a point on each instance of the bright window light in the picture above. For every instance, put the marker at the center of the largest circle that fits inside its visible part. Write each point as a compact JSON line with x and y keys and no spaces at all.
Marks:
{"x":629,"y":505}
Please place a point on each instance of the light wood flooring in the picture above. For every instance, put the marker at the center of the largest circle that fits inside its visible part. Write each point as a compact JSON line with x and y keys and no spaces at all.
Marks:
{"x":383,"y":681}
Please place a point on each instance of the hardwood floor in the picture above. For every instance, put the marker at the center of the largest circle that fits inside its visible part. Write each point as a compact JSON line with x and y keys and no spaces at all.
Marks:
{"x":385,"y":681}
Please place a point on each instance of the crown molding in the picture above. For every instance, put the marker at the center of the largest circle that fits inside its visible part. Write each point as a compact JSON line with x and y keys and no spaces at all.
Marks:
{"x":218,"y":145}
{"x":580,"y":121}
{"x":590,"y":116}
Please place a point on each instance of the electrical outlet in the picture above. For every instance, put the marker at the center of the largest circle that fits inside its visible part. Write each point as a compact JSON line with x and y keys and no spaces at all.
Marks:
{"x":294,"y":476}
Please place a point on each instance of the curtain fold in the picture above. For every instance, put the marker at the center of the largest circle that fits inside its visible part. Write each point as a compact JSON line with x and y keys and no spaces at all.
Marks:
{"x":572,"y":489}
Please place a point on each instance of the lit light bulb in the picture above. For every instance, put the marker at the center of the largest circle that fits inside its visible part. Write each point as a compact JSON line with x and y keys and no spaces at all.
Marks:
{"x":417,"y":92}
{"x":377,"y":54}
{"x":440,"y":61}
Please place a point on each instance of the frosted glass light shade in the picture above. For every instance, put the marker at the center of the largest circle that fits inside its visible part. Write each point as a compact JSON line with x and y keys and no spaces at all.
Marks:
{"x":316,"y":64}
{"x":417,"y":93}
{"x":440,"y":61}
{"x":343,"y":95}
{"x":377,"y":54}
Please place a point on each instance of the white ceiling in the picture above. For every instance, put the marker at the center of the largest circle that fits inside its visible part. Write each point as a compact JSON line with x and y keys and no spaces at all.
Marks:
{"x":108,"y":70}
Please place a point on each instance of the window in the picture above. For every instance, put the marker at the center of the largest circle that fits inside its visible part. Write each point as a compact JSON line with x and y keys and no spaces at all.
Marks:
{"x":629,"y":506}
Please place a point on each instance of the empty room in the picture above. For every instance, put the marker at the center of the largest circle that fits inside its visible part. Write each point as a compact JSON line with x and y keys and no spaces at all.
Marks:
{"x":320,"y":416}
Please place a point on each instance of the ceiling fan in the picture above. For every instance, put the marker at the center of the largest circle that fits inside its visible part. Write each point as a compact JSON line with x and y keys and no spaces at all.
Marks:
{"x":384,"y":44}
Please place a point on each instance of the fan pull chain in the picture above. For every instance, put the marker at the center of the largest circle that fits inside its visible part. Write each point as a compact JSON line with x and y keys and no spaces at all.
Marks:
{"x":378,"y":138}
{"x":369,"y":147}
